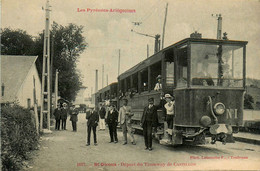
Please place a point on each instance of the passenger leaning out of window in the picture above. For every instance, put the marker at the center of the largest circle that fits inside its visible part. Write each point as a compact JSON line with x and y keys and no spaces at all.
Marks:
{"x":158,"y":86}
{"x":169,"y":106}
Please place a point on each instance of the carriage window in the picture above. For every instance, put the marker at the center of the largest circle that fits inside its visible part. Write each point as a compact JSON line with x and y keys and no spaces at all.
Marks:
{"x":144,"y":80}
{"x":135,"y":83}
{"x":100,"y":97}
{"x":122,"y":88}
{"x":155,"y":71}
{"x":113,"y":91}
{"x":128,"y":84}
{"x":217,"y":65}
{"x":169,"y":74}
{"x":107,"y":95}
{"x":182,"y":67}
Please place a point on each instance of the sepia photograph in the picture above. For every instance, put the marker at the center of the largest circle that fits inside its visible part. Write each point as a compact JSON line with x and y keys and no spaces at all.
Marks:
{"x":130,"y":85}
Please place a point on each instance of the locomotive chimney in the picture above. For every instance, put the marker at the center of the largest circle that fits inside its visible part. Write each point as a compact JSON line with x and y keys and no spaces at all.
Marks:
{"x":219,"y":29}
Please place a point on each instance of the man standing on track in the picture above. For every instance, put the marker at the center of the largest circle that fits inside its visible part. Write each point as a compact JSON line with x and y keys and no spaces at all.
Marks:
{"x":74,"y":118}
{"x":125,"y":119}
{"x":149,"y":121}
{"x":64,"y":115}
{"x":92,"y":123}
{"x":57,"y":113}
{"x":112,"y":117}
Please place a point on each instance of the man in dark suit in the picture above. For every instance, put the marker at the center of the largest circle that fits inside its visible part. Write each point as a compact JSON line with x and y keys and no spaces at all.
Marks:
{"x":74,"y":118}
{"x":149,"y":121}
{"x":92,"y":123}
{"x":57,"y":113}
{"x":64,"y":115}
{"x":112,"y":118}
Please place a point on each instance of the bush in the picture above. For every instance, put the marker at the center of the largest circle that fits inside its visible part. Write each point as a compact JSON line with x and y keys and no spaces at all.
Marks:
{"x":18,"y":136}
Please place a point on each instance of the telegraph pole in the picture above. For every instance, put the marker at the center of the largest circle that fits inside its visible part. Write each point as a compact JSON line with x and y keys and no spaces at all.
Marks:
{"x":45,"y":93}
{"x":107,"y":79}
{"x":96,"y":86}
{"x":56,"y":87}
{"x":156,"y":37}
{"x":147,"y":51}
{"x":103,"y":76}
{"x":35,"y":107}
{"x":119,"y":63}
{"x":164,"y":24}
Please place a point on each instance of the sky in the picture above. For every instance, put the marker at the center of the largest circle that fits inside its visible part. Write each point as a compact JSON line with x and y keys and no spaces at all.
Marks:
{"x":106,"y":33}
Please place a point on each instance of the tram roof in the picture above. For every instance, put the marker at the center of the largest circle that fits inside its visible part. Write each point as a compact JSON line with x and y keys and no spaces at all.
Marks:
{"x":157,"y":56}
{"x":106,"y":88}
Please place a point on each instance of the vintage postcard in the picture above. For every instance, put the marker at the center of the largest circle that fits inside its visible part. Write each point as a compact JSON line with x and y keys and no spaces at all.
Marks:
{"x":130,"y":85}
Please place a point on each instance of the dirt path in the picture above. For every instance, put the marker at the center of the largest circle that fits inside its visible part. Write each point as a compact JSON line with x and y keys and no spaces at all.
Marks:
{"x":67,"y":151}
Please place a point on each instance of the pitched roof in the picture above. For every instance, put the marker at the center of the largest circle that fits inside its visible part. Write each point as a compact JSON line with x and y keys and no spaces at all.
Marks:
{"x":14,"y":70}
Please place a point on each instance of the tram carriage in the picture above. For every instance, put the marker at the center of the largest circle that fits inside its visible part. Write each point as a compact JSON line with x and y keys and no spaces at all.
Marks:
{"x":207,"y":79}
{"x":108,"y":93}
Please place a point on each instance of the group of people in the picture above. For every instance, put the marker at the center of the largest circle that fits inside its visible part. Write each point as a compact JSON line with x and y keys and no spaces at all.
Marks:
{"x":95,"y":116}
{"x":112,"y":117}
{"x":61,"y":114}
{"x":123,"y":117}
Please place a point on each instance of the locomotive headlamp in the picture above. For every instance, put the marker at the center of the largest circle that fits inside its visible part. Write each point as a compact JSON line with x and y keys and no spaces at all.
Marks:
{"x":205,"y":121}
{"x":219,"y":108}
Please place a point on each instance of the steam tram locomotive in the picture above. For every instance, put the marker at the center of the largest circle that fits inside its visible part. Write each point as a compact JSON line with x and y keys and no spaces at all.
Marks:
{"x":207,"y":79}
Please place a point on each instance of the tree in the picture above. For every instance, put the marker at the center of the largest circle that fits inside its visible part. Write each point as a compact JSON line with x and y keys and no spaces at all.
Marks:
{"x":69,"y":43}
{"x":16,"y":42}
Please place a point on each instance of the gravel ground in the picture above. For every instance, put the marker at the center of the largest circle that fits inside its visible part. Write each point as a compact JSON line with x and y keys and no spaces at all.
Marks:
{"x":67,"y":150}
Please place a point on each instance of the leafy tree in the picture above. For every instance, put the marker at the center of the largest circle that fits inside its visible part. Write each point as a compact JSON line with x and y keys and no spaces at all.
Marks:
{"x":69,"y":43}
{"x":16,"y":42}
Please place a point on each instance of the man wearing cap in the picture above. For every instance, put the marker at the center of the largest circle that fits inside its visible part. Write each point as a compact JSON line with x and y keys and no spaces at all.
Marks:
{"x":57,"y":114}
{"x":92,"y":123}
{"x":169,"y":108}
{"x":64,"y":114}
{"x":158,"y":86}
{"x":112,"y":118}
{"x":74,"y":118}
{"x":125,"y":119}
{"x":149,"y":121}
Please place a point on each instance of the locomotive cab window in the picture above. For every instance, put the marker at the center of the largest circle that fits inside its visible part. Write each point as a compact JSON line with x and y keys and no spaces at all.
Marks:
{"x":182,"y":65}
{"x":216,"y":65}
{"x":155,"y":71}
{"x":170,"y":73}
